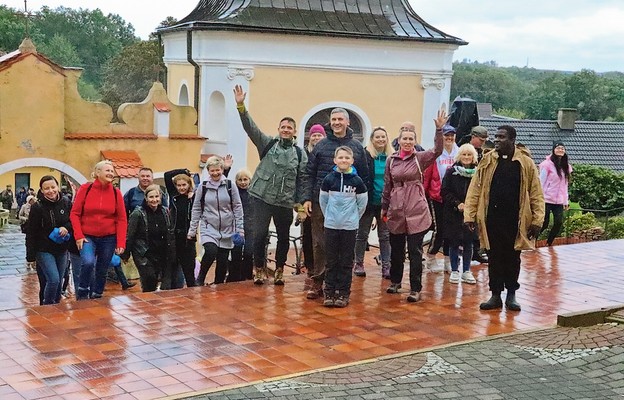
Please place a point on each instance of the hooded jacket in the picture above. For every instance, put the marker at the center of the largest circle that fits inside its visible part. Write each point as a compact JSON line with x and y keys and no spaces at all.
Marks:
{"x":343,"y":199}
{"x":321,"y":162}
{"x":454,"y":188}
{"x":278,"y":178}
{"x":531,"y":197}
{"x":45,"y":215}
{"x":555,"y":187}
{"x":221,"y":217}
{"x":403,"y":199}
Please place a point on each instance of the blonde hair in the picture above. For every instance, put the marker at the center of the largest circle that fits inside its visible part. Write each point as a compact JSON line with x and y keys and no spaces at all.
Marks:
{"x":98,"y":167}
{"x":215,"y":161}
{"x":151,"y":188}
{"x":371,"y":147}
{"x":185,"y":178}
{"x":470,"y":148}
{"x":243,"y":172}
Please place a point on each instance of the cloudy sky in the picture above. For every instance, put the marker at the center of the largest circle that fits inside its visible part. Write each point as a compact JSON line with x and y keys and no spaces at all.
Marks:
{"x":549,"y":34}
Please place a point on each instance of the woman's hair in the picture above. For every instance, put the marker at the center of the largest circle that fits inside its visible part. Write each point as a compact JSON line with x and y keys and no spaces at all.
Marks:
{"x":561,"y":164}
{"x":46,"y":178}
{"x":243,"y":172}
{"x":214,"y":161}
{"x":464,"y":148}
{"x":185,"y":178}
{"x":99,"y":165}
{"x":371,"y":147}
{"x":151,"y":188}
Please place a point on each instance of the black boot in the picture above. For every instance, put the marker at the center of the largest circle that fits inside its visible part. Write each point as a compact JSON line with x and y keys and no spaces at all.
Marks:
{"x":511,"y":303}
{"x":495,"y":302}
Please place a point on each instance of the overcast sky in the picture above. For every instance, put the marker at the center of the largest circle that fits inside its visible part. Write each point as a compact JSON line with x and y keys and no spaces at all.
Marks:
{"x":548,"y":34}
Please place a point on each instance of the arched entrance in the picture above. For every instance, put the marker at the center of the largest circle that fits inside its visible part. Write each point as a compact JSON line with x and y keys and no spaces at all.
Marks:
{"x":43,"y":162}
{"x":358,"y":120}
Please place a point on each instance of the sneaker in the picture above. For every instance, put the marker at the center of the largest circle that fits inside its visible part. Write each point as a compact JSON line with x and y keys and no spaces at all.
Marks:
{"x":341,"y":301}
{"x":454,"y":277}
{"x":315,"y":291}
{"x":259,"y":277}
{"x":481,"y":256}
{"x":413,"y":297}
{"x":467,"y":277}
{"x":385,"y":270}
{"x":430,"y":262}
{"x":358,"y":269}
{"x":329,"y":302}
{"x":279,"y":277}
{"x":447,"y":265}
{"x":393,"y":288}
{"x":474,"y":263}
{"x":128,"y":286}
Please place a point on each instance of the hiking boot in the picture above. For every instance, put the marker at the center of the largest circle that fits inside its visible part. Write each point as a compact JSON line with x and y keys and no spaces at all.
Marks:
{"x":315,"y":291}
{"x":495,"y":302}
{"x":413,"y":297}
{"x":385,"y":269}
{"x":511,"y":303}
{"x":467,"y":277}
{"x":341,"y":301}
{"x":454,"y":278}
{"x":447,"y":265}
{"x":279,"y":276}
{"x":393,"y":288}
{"x":128,"y":286}
{"x":329,"y":302}
{"x":260,"y":276}
{"x":358,"y":269}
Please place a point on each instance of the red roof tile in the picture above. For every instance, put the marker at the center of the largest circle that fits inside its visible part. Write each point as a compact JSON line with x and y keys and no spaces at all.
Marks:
{"x":162,"y":107}
{"x":126,"y":162}
{"x":107,"y":136}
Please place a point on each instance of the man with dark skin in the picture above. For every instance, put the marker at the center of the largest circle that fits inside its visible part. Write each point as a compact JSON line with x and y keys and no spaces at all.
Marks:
{"x":505,"y":200}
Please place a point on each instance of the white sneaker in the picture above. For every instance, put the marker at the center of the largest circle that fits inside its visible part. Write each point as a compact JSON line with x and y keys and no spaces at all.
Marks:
{"x":474,"y":263}
{"x":467,"y":277}
{"x":447,"y":264}
{"x":454,"y":277}
{"x":436,"y":267}
{"x":430,"y":262}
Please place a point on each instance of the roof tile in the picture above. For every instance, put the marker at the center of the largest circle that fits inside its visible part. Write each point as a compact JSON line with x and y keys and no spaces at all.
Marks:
{"x":127,"y":163}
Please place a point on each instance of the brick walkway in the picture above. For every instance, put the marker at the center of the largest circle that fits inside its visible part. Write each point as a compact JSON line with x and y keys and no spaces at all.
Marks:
{"x":179,"y":343}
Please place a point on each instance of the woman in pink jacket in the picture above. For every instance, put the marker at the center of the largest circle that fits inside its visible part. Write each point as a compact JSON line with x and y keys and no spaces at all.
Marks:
{"x":555,"y":176}
{"x":404,"y":206}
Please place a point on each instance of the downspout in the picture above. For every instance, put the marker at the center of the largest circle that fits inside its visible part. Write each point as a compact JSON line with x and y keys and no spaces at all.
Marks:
{"x":189,"y":58}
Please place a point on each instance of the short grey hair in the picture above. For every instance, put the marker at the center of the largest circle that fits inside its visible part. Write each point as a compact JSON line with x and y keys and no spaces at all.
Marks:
{"x":467,"y":147}
{"x":340,"y":110}
{"x":215,"y":161}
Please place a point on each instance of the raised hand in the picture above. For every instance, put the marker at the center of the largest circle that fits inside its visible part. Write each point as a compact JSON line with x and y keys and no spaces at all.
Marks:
{"x":239,"y":95}
{"x":228,"y":160}
{"x":441,"y":118}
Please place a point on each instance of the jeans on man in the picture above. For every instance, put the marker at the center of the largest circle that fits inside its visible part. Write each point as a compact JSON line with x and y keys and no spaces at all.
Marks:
{"x":96,"y":255}
{"x":53,"y":267}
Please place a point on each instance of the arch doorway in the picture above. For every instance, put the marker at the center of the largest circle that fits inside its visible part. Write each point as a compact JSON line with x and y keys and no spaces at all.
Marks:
{"x":358,"y":121}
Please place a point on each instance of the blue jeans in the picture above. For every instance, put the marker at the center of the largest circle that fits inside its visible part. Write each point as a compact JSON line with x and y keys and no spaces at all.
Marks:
{"x":466,"y":255}
{"x":96,"y":255}
{"x":53,"y":267}
{"x":373,"y":211}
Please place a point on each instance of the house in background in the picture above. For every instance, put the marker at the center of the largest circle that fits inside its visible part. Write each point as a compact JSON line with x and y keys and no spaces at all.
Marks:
{"x":587,"y":142}
{"x":301,"y":58}
{"x":47,"y":128}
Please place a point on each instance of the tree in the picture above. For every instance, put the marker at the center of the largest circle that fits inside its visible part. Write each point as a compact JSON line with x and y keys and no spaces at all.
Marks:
{"x":546,"y":98}
{"x":60,"y":50}
{"x":169,"y":21}
{"x":129,"y":76}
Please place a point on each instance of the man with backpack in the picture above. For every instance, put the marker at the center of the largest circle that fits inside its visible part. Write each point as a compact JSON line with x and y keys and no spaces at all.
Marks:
{"x":275,"y":187}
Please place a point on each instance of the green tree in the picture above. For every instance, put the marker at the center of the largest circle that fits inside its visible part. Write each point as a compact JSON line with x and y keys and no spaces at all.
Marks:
{"x":60,"y":50}
{"x":546,"y":97}
{"x":129,"y":76}
{"x":597,"y":188}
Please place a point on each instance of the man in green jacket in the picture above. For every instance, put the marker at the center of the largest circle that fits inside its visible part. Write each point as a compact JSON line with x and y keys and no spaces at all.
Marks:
{"x":275,"y":187}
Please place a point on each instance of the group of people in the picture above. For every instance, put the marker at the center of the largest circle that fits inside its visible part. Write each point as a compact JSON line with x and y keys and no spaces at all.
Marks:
{"x":339,"y":190}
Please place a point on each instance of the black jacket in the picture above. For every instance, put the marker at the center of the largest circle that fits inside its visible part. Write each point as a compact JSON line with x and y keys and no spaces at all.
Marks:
{"x":321,"y":162}
{"x":45,"y":215}
{"x":454,"y":189}
{"x":178,"y":203}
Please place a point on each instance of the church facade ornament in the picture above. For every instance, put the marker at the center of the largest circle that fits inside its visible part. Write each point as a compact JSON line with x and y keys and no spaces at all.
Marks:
{"x":437,"y":82}
{"x":245,"y":72}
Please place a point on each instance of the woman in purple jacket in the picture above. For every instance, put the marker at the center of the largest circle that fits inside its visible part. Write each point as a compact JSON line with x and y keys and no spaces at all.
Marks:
{"x":405,"y":208}
{"x":555,"y":176}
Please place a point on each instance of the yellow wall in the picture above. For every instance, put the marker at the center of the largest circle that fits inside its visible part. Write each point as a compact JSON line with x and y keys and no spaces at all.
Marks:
{"x":175,"y":75}
{"x":386,"y":99}
{"x":36,"y":173}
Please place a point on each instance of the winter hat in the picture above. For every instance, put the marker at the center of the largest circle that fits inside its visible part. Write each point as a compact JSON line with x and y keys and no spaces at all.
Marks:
{"x":317,"y":128}
{"x":238,"y":239}
{"x":448,"y":129}
{"x":558,"y":143}
{"x":479,"y":131}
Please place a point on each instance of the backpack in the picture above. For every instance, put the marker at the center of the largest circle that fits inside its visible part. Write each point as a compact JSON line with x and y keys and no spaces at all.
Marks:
{"x":272,"y":143}
{"x":202,"y":199}
{"x":87,"y":193}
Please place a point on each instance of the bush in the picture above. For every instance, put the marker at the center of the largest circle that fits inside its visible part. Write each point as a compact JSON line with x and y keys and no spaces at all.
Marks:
{"x":615,"y":228}
{"x":597,"y":188}
{"x":578,"y":222}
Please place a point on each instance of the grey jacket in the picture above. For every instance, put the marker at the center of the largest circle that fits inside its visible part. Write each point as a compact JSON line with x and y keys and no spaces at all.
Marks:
{"x":278,"y":178}
{"x":221,"y":217}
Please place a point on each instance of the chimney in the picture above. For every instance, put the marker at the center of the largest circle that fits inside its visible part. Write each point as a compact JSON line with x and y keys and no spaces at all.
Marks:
{"x":566,"y":117}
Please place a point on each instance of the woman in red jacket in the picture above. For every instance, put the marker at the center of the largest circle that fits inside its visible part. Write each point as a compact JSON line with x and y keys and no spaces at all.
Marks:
{"x":99,"y":220}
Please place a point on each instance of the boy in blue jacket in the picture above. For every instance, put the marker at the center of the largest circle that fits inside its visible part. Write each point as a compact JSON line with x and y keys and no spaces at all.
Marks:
{"x":342,"y":200}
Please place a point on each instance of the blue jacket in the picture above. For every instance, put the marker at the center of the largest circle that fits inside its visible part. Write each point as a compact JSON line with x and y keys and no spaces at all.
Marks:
{"x":343,"y":199}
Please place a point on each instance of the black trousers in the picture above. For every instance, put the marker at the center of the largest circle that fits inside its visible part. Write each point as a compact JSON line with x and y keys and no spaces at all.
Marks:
{"x":397,"y":258}
{"x":241,"y":265}
{"x":339,"y":245}
{"x":150,"y":269}
{"x":212,"y":252}
{"x":437,"y":240}
{"x":282,"y":219}
{"x":185,"y":257}
{"x":504,"y":260}
{"x":557,"y":212}
{"x":308,"y":249}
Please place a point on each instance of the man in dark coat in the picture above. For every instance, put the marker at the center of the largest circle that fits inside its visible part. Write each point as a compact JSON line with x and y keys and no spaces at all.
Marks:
{"x":320,"y":163}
